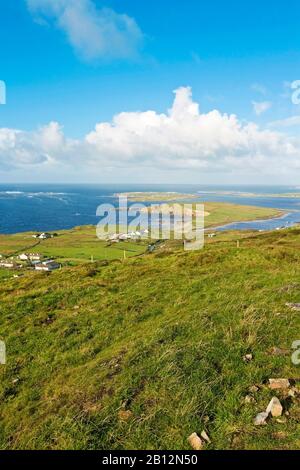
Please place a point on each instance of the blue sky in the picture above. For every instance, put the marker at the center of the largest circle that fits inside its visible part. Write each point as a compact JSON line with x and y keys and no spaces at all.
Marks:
{"x":237,"y":57}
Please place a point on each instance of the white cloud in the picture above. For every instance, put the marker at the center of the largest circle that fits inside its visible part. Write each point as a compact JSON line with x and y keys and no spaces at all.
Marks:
{"x":183,"y":138}
{"x":94,"y":33}
{"x":261,"y":107}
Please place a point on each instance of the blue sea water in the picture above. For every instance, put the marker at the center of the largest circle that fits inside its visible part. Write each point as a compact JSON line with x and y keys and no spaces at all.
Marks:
{"x":32,"y":207}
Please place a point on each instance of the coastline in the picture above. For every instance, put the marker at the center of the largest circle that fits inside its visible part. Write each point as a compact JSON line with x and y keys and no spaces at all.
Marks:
{"x":281,"y":215}
{"x":257,"y":220}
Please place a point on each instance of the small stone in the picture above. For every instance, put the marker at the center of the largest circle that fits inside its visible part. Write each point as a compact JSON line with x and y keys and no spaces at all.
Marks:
{"x":248,"y":358}
{"x":275,"y":408}
{"x":76,"y":307}
{"x":125,"y":415}
{"x":279,"y":384}
{"x":195,"y":441}
{"x":261,"y":419}
{"x":294,"y":392}
{"x":249,"y":399}
{"x":294,"y":306}
{"x":253,"y":389}
{"x":205,"y":436}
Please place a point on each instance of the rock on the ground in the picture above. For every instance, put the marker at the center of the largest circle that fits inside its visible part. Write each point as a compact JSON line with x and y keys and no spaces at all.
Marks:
{"x":261,"y":419}
{"x":279,"y":384}
{"x":253,"y":389}
{"x":294,"y":306}
{"x":205,"y":436}
{"x":249,"y":399}
{"x":195,"y":441}
{"x":248,"y":358}
{"x":275,"y":408}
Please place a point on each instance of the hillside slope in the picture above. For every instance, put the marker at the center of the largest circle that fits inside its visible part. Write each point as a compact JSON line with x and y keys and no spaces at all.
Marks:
{"x":140,"y":354}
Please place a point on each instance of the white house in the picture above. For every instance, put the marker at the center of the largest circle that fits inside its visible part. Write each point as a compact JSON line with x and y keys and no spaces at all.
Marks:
{"x":44,"y":236}
{"x":7,"y":264}
{"x":23,"y":257}
{"x":49,"y":265}
{"x":34,"y":257}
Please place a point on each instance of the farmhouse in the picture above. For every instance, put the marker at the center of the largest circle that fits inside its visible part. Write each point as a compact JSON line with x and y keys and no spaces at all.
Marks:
{"x":23,"y":257}
{"x":44,"y":236}
{"x":9,"y":265}
{"x":34,"y":257}
{"x":30,"y":257}
{"x":49,"y":265}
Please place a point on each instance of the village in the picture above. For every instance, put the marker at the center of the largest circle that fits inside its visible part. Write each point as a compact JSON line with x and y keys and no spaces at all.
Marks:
{"x":33,"y":261}
{"x":29,"y":261}
{"x":134,"y":236}
{"x":34,"y":257}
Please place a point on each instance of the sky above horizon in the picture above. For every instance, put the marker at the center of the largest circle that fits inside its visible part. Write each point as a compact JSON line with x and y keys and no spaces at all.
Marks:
{"x":130,"y":91}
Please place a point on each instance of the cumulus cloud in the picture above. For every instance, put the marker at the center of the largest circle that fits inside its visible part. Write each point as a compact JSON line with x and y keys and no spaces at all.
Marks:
{"x":182,"y":138}
{"x":261,"y":107}
{"x":94,"y":33}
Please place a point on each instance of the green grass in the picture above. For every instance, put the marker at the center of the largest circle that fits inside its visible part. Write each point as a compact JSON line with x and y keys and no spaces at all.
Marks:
{"x":161,"y":335}
{"x":225,"y":213}
{"x":71,"y":246}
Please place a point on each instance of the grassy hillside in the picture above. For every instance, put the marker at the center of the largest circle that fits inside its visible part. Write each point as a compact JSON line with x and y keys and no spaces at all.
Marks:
{"x":140,"y":354}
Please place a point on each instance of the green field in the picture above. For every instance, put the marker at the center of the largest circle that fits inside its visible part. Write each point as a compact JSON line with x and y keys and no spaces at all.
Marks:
{"x":140,"y":354}
{"x":225,"y":213}
{"x":78,"y":245}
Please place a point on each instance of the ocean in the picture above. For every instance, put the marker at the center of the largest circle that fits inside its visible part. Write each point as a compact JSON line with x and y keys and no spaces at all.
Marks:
{"x":49,"y":207}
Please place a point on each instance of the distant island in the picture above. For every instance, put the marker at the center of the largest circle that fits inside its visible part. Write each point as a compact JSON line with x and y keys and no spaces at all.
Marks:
{"x":248,"y":194}
{"x":157,"y":196}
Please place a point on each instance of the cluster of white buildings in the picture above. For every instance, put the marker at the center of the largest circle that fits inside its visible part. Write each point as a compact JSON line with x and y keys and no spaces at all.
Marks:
{"x":33,"y":260}
{"x":119,"y":237}
{"x":30,"y":257}
{"x":47,"y":265}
